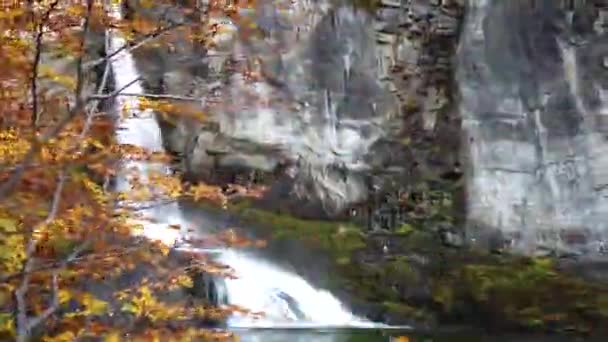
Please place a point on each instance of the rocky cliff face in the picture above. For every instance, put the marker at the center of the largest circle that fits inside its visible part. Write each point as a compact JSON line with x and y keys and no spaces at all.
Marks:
{"x":337,"y":102}
{"x":343,"y":106}
{"x":533,"y":78}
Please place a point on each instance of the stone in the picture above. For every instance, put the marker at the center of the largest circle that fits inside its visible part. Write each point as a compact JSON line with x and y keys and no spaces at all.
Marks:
{"x":541,"y":179}
{"x":514,"y":93}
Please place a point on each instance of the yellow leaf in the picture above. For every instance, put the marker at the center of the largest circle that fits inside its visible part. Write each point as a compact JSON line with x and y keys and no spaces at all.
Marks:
{"x":12,"y":253}
{"x":67,"y":336}
{"x":64,"y":296}
{"x":401,"y":339}
{"x":8,"y":225}
{"x":146,"y":3}
{"x":129,"y":307}
{"x":113,"y":337}
{"x":93,"y":306}
{"x":164,"y":250}
{"x":7,"y":324}
{"x":184,"y":281}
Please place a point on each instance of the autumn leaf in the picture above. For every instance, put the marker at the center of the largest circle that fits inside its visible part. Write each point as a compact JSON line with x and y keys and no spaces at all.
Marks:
{"x":64,"y":296}
{"x":112,"y":337}
{"x":92,"y":305}
{"x":401,"y":339}
{"x":7,"y":324}
{"x":7,"y":225}
{"x":67,"y":336}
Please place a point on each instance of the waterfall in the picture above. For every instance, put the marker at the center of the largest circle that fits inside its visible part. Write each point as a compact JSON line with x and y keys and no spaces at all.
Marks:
{"x":285,"y":298}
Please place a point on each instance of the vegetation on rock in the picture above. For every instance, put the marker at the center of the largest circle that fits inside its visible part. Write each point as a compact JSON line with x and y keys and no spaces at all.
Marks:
{"x":423,"y":282}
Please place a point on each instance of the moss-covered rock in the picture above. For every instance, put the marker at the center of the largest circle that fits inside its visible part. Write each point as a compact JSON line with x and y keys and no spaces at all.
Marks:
{"x":426,"y":282}
{"x":524,"y":292}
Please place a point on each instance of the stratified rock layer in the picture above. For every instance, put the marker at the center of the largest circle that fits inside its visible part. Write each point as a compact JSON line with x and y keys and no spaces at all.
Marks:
{"x":533,"y":81}
{"x":358,"y":111}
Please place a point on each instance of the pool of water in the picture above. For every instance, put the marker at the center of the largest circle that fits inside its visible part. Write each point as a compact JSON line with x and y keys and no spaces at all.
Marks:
{"x":386,"y":335}
{"x":317,"y":335}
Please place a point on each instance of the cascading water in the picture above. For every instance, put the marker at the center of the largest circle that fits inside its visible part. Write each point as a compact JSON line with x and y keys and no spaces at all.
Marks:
{"x":284,"y":298}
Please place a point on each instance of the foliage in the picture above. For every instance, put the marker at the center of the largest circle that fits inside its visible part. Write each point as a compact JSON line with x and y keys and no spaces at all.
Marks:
{"x":64,"y":232}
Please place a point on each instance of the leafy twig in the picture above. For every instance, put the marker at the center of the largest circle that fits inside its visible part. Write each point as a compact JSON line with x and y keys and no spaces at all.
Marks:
{"x":8,"y":186}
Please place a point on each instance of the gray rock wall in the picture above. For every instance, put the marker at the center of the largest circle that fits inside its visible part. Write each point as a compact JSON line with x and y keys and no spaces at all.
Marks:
{"x":533,"y":77}
{"x":344,"y":94}
{"x":343,"y":106}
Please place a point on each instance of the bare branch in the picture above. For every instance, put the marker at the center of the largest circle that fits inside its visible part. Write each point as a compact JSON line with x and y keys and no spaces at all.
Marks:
{"x":36,"y":65}
{"x":33,"y":322}
{"x":83,"y":133}
{"x":150,"y":96}
{"x":23,"y":327}
{"x":130,"y":47}
{"x":101,"y":96}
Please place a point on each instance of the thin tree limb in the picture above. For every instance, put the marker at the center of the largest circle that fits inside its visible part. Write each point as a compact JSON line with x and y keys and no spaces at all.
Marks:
{"x":101,"y":96}
{"x":38,"y":53}
{"x":23,"y":327}
{"x":54,"y":304}
{"x":130,"y":47}
{"x":150,"y":96}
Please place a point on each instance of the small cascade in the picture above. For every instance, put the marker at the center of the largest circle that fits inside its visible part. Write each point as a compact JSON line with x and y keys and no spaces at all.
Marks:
{"x":285,"y":298}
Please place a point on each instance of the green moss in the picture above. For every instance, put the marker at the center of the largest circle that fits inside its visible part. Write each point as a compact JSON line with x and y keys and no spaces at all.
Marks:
{"x":506,"y":291}
{"x":400,"y":268}
{"x":370,"y":6}
{"x":602,"y":304}
{"x":404,"y":229}
{"x":444,"y":295}
{"x":524,"y":291}
{"x":404,"y":310}
{"x":338,"y":238}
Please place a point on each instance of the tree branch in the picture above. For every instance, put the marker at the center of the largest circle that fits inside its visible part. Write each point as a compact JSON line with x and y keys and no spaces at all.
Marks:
{"x":8,"y":186}
{"x":130,"y":47}
{"x":101,"y":96}
{"x":38,"y":53}
{"x":54,"y":303}
{"x":23,"y":326}
{"x":150,"y":96}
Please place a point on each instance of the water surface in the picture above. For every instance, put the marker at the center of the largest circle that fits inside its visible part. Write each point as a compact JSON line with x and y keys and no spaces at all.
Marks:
{"x":388,"y":335}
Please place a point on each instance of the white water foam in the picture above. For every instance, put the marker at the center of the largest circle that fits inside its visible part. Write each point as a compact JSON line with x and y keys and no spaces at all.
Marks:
{"x":284,"y":297}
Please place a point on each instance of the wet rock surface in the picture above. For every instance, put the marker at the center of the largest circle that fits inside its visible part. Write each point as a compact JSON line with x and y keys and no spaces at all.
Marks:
{"x":533,"y":96}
